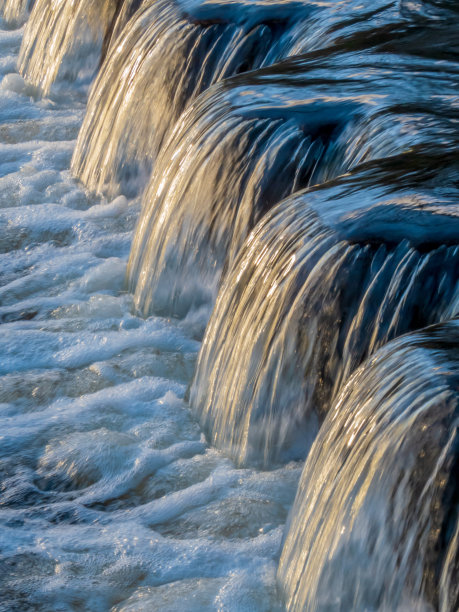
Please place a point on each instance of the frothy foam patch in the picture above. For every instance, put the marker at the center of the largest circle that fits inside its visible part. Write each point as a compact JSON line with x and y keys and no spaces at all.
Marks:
{"x":15,"y":82}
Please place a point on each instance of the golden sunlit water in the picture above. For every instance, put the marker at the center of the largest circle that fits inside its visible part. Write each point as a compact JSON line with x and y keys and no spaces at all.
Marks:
{"x":229,"y":256}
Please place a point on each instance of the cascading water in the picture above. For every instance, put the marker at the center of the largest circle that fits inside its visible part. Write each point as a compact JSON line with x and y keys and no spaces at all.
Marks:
{"x":209,"y":189}
{"x":15,"y":12}
{"x":110,"y":497}
{"x":165,"y":59}
{"x":323,"y":281}
{"x":65,"y":37}
{"x":172,"y":51}
{"x":252,"y":140}
{"x":375,"y":523}
{"x":122,"y":13}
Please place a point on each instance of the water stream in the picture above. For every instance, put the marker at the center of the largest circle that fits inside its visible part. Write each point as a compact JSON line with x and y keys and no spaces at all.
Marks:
{"x":229,"y":255}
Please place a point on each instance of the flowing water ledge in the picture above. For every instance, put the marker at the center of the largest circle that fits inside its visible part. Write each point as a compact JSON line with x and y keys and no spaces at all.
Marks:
{"x":229,"y":254}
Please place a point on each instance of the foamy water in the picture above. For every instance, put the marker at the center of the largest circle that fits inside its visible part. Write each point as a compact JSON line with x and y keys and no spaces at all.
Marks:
{"x":110,"y":497}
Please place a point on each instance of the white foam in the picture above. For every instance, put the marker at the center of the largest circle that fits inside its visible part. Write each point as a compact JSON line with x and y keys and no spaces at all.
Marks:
{"x":15,"y":82}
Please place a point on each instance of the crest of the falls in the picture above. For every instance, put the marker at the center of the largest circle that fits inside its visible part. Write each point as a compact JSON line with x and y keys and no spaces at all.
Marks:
{"x":325,"y":278}
{"x":172,"y":51}
{"x":375,"y":522}
{"x":15,"y":12}
{"x":254,"y":139}
{"x":66,"y":37}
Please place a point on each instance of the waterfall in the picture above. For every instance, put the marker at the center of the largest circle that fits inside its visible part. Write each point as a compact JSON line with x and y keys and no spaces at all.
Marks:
{"x":15,"y":12}
{"x":254,"y":139}
{"x":171,"y":52}
{"x":229,"y":264}
{"x":316,"y":288}
{"x":65,"y":37}
{"x":164,"y":59}
{"x":216,"y":178}
{"x":375,"y":520}
{"x":123,"y":11}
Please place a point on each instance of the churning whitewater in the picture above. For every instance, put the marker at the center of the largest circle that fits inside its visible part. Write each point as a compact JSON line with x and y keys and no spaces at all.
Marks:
{"x":229,"y":301}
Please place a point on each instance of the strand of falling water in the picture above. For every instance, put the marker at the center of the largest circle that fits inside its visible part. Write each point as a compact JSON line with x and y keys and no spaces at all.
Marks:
{"x":57,"y":29}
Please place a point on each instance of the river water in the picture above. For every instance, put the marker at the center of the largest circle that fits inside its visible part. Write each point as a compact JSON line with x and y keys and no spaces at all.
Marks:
{"x":149,"y":458}
{"x":109,"y":494}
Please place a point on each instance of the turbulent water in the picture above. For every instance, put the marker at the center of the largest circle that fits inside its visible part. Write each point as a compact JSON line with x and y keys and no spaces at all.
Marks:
{"x":109,"y":495}
{"x":229,"y":256}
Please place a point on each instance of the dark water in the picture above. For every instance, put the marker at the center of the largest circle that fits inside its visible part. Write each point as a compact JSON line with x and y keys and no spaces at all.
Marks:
{"x":229,"y":264}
